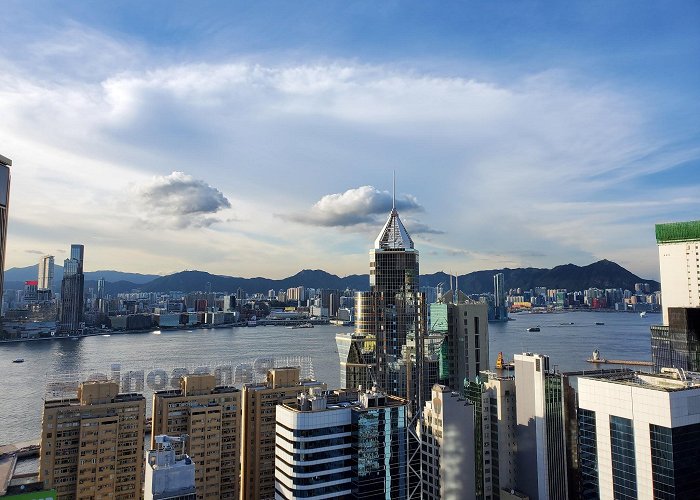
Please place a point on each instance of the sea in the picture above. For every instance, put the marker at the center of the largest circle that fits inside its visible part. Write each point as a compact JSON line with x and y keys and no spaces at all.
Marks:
{"x":159,"y":357}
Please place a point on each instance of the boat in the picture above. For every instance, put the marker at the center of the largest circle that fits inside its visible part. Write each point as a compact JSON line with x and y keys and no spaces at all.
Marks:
{"x":18,"y":360}
{"x":253,"y":321}
{"x":533,"y":329}
{"x":303,"y":325}
{"x":643,"y":314}
{"x":599,"y":323}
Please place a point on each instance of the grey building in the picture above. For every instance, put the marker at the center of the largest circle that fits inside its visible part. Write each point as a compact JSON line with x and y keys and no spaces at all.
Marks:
{"x":677,"y":345}
{"x":5,"y":164}
{"x":72,"y":288}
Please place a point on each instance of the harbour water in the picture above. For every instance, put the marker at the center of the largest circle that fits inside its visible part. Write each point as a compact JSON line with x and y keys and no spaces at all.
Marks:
{"x":568,"y":338}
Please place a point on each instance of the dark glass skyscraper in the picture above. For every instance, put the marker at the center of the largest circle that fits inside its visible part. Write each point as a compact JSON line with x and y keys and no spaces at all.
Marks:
{"x":393,"y":279}
{"x":72,"y":286}
{"x":5,"y":164}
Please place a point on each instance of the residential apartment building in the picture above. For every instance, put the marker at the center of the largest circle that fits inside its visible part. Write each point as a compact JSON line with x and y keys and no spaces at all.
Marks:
{"x":211,"y":418}
{"x":92,"y":446}
{"x":259,"y":403}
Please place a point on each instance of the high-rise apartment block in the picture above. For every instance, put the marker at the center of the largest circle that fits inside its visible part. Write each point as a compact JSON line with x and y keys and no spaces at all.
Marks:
{"x":541,"y":455}
{"x":46,"y":272}
{"x":72,"y":288}
{"x":330,"y":447}
{"x":211,"y":417}
{"x":5,"y":164}
{"x":92,"y":446}
{"x":679,"y":262}
{"x":464,"y":352}
{"x":258,"y":429}
{"x":170,"y":473}
{"x":447,"y":438}
{"x":639,"y":435}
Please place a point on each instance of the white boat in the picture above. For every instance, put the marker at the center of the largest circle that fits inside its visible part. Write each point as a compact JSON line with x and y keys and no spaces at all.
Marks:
{"x":18,"y":360}
{"x":643,"y":314}
{"x":253,"y":321}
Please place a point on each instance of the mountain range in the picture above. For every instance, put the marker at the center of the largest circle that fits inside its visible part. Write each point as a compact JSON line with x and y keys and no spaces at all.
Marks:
{"x":601,"y":274}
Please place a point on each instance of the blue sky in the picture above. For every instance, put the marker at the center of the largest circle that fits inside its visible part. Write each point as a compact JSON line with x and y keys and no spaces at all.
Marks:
{"x":259,"y":138}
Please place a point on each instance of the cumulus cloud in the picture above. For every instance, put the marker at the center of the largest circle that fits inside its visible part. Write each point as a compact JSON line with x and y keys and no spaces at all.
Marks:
{"x":355,"y":206}
{"x":181,"y":201}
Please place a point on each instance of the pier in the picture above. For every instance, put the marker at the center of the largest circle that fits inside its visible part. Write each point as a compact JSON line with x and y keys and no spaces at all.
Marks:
{"x":628,"y":362}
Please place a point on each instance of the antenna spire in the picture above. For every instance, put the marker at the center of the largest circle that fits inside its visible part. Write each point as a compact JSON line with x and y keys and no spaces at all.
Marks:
{"x":393,"y":193}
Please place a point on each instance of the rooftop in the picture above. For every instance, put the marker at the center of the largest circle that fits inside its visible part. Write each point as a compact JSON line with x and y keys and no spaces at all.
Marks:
{"x":669,"y":380}
{"x":674,"y":232}
{"x":393,"y":235}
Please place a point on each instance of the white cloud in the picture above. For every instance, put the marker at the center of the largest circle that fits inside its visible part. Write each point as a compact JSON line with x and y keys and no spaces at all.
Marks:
{"x":355,"y":206}
{"x":180,"y":200}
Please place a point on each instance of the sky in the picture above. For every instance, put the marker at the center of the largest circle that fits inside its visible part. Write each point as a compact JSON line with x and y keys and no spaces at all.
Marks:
{"x":260,"y":138}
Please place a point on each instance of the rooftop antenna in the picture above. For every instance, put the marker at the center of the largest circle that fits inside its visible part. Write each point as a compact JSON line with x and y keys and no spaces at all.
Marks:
{"x":393,"y":194}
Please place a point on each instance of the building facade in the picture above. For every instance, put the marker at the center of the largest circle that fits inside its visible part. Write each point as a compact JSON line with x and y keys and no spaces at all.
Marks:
{"x":46,"y":272}
{"x":639,"y":435}
{"x":447,"y":437}
{"x":92,"y":446}
{"x":679,"y":263}
{"x":464,"y":352}
{"x":169,"y":475}
{"x":541,"y":444}
{"x":72,"y":292}
{"x":5,"y":164}
{"x":329,"y":446}
{"x":259,"y":403}
{"x":211,"y":417}
{"x":677,"y":344}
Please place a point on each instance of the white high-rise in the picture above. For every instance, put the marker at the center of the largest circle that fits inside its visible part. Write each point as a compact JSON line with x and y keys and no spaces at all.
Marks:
{"x":541,"y":455}
{"x":45,"y":278}
{"x":447,"y":437}
{"x":679,"y":262}
{"x":169,"y":475}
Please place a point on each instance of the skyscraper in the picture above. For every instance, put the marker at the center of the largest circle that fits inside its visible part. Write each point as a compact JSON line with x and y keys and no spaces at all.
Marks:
{"x":541,"y":456}
{"x":169,"y":475}
{"x":45,"y":278}
{"x":500,"y":313}
{"x":5,"y":164}
{"x":392,"y":314}
{"x":679,"y":262}
{"x":334,"y":447}
{"x":72,"y":287}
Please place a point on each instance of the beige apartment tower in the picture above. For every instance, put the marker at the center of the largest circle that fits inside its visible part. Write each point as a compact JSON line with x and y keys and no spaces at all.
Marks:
{"x":210,"y":416}
{"x":92,"y":446}
{"x":260,"y":402}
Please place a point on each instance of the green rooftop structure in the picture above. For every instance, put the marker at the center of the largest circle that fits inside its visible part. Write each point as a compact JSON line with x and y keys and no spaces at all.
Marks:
{"x":676,"y":232}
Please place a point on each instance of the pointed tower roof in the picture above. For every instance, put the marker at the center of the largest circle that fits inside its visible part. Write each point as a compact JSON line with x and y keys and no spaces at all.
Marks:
{"x":393,"y":235}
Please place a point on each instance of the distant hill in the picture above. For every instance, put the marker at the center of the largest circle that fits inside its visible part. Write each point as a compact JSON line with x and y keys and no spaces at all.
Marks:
{"x":22,"y":274}
{"x":601,"y":274}
{"x":187,"y":281}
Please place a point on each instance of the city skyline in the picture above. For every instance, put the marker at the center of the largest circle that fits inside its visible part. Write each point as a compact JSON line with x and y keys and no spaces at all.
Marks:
{"x":245,"y":141}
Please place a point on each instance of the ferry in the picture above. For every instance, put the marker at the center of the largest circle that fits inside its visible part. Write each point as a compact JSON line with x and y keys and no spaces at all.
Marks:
{"x":18,"y":360}
{"x":303,"y":325}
